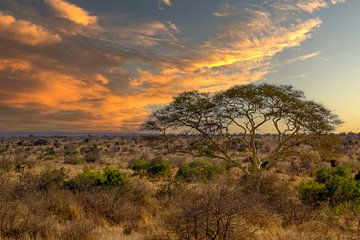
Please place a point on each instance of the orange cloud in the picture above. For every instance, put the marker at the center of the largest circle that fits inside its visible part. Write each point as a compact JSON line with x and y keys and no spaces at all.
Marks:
{"x":14,"y":65}
{"x":311,"y":6}
{"x":246,"y":58}
{"x":54,"y":91}
{"x":25,"y":32}
{"x":72,"y":12}
{"x":117,"y":86}
{"x":166,"y":2}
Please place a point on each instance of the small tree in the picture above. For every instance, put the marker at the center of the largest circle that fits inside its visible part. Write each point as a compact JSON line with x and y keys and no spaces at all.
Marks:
{"x":215,"y":121}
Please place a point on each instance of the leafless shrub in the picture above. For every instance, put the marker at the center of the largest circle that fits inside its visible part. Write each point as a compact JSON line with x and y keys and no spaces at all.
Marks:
{"x":213,"y":213}
{"x":79,"y":230}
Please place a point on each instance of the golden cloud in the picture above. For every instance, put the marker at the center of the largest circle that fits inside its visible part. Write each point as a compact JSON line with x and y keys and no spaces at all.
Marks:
{"x":14,"y":65}
{"x":72,"y":12}
{"x":25,"y":32}
{"x":240,"y":52}
{"x":166,"y":2}
{"x":311,"y":6}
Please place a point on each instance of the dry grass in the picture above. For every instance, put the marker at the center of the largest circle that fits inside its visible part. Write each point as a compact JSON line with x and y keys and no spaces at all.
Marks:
{"x":36,"y":204}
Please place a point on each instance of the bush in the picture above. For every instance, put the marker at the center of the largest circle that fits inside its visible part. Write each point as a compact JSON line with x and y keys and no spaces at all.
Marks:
{"x":158,"y":169}
{"x":325,"y":174}
{"x":213,"y":212}
{"x":152,"y":169}
{"x":71,"y":155}
{"x":40,"y":142}
{"x":139,"y":167}
{"x":331,"y":185}
{"x":91,"y":154}
{"x":88,"y":179}
{"x":197,"y":170}
{"x":312,"y":193}
{"x":48,"y":180}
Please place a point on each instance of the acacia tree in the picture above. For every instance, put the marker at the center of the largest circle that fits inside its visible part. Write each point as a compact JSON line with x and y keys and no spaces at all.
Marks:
{"x":218,"y":120}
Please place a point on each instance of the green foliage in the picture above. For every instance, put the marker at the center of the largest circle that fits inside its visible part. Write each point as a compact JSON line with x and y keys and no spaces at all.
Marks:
{"x":197,"y":170}
{"x":114,"y":178}
{"x":312,"y":193}
{"x":326,"y":174}
{"x":139,"y":167}
{"x":158,"y":169}
{"x":107,"y":179}
{"x":211,"y":118}
{"x":152,"y":169}
{"x":331,"y":185}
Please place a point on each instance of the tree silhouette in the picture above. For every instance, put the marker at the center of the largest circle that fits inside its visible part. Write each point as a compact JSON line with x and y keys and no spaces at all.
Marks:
{"x":218,"y":120}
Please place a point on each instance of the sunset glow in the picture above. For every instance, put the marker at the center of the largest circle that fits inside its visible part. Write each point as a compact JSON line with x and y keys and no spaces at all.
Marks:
{"x":90,"y":65}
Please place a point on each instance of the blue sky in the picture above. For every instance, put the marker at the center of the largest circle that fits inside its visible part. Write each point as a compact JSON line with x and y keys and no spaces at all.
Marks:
{"x":95,"y":65}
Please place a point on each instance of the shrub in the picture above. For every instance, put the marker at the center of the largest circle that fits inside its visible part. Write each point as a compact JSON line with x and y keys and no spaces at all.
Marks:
{"x":312,"y":193}
{"x":91,"y":154}
{"x":40,"y":142}
{"x":107,"y":179}
{"x":152,"y":169}
{"x":71,"y":155}
{"x":325,"y":174}
{"x":332,"y":185}
{"x":79,"y":230}
{"x":197,"y":170}
{"x":50,"y":180}
{"x":139,"y":167}
{"x":214,"y":212}
{"x":158,"y":169}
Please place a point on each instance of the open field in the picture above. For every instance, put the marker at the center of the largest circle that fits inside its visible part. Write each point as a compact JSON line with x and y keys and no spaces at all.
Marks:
{"x":131,"y":188}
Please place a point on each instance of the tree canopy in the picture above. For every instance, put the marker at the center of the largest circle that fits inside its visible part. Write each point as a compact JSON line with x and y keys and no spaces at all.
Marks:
{"x":236,"y":115}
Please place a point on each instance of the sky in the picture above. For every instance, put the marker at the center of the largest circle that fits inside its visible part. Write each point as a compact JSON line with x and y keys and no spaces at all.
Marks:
{"x":94,"y":65}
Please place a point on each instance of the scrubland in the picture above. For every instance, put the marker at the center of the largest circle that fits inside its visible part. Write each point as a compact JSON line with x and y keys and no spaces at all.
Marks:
{"x":133,"y":188}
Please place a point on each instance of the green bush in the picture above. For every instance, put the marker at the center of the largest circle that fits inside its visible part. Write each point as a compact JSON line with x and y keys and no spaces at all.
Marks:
{"x":326,"y":174}
{"x":139,"y":167}
{"x":106,"y":179}
{"x":197,"y":170}
{"x":151,"y":169}
{"x":158,"y":169}
{"x":114,"y":178}
{"x":331,"y":185}
{"x":312,"y":193}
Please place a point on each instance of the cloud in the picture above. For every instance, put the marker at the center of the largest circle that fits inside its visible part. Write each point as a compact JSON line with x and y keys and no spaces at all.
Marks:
{"x":111,"y":78}
{"x":14,"y":65}
{"x":240,"y":53}
{"x":72,"y":12}
{"x":226,"y":10}
{"x":311,"y":6}
{"x":337,"y":1}
{"x":147,"y":34}
{"x":166,"y":2}
{"x":25,"y":32}
{"x":303,"y":57}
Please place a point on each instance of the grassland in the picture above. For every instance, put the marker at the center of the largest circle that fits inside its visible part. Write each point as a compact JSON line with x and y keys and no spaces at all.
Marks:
{"x":133,"y":188}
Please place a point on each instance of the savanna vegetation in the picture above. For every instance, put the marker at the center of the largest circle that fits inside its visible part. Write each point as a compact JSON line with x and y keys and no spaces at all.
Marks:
{"x":204,"y":170}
